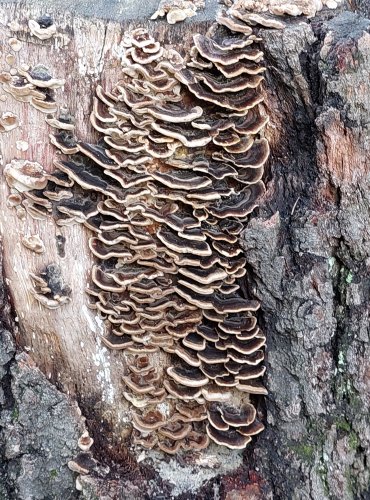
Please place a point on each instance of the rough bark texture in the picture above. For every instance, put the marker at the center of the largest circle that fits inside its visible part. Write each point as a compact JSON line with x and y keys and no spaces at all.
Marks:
{"x":309,"y":258}
{"x":309,"y":252}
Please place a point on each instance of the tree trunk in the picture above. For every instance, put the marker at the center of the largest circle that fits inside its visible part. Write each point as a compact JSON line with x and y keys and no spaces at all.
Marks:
{"x":307,"y":249}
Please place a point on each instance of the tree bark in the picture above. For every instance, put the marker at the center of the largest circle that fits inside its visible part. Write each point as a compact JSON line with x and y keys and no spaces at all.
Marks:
{"x":309,"y":251}
{"x":307,"y":248}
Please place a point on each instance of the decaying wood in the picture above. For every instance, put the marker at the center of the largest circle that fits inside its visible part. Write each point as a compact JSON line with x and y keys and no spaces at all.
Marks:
{"x":307,"y":249}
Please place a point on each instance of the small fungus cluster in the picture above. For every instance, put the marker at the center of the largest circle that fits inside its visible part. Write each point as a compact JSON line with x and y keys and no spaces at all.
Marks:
{"x":264,"y":11}
{"x":83,"y":463}
{"x":49,"y":289}
{"x":33,"y":85}
{"x":8,"y":122}
{"x":177,"y":10}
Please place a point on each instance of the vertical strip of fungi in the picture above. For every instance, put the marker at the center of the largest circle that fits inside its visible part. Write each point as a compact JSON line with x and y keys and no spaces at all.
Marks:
{"x":166,"y":193}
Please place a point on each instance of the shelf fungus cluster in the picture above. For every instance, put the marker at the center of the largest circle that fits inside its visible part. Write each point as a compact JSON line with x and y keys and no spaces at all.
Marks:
{"x":49,"y":289}
{"x":166,"y":193}
{"x":33,"y":85}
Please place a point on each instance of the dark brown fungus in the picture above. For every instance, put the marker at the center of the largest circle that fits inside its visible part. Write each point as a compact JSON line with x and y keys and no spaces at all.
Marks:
{"x":83,"y":463}
{"x":209,"y":50}
{"x":190,"y":377}
{"x":230,"y":438}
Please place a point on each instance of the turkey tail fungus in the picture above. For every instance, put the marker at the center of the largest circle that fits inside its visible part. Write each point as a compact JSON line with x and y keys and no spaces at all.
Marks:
{"x":166,"y":191}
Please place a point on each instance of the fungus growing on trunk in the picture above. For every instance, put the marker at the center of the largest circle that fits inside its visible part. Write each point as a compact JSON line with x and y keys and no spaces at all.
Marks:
{"x":166,"y":192}
{"x":34,"y":243}
{"x":49,"y":289}
{"x":8,"y":122}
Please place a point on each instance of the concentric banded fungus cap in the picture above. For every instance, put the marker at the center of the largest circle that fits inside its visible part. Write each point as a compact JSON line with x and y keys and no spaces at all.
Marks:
{"x":240,"y":204}
{"x":194,"y":341}
{"x":149,"y":421}
{"x":238,"y":101}
{"x":214,"y":393}
{"x":117,"y":342}
{"x":251,"y":430}
{"x":209,"y":50}
{"x":174,"y":113}
{"x":230,"y":438}
{"x":84,"y":463}
{"x":169,"y":446}
{"x":183,"y":392}
{"x":25,"y":175}
{"x":236,"y":324}
{"x":215,"y":418}
{"x":263,"y":19}
{"x":210,"y":355}
{"x":236,"y":417}
{"x":212,"y":371}
{"x":233,"y":23}
{"x":175,"y":430}
{"x":191,"y":412}
{"x":190,"y":377}
{"x":252,"y":387}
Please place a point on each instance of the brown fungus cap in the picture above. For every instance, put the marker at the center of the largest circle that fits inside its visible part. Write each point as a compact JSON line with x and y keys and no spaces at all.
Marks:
{"x":251,"y":430}
{"x":182,"y":392}
{"x":233,"y":23}
{"x":230,"y":438}
{"x":149,"y":421}
{"x":84,"y":463}
{"x":175,"y":430}
{"x":85,"y":441}
{"x":190,"y":377}
{"x":209,"y":50}
{"x":264,"y":19}
{"x":169,"y":446}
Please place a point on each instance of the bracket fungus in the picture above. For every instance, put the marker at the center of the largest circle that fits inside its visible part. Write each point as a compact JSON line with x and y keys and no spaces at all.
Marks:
{"x":166,"y":192}
{"x":177,"y":10}
{"x":43,"y":27}
{"x":49,"y":289}
{"x":34,"y":243}
{"x":8,"y":121}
